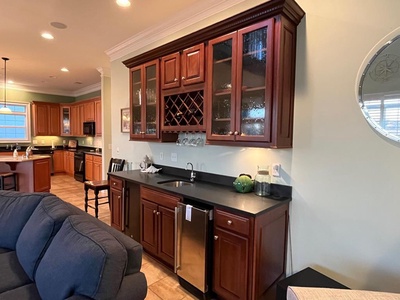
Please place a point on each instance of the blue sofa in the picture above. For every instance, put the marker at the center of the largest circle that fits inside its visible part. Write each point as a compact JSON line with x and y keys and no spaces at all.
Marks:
{"x":50,"y":249}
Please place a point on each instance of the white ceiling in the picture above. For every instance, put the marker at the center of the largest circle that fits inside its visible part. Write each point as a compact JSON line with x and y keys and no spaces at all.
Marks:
{"x":94,"y":26}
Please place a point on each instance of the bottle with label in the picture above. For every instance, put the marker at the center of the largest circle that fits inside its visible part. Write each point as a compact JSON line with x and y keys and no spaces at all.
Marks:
{"x":262,"y":181}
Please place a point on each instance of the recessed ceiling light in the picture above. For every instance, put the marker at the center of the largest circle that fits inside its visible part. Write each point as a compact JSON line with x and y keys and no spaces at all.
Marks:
{"x":58,"y":25}
{"x":123,"y":3}
{"x":64,"y":70}
{"x":47,"y":36}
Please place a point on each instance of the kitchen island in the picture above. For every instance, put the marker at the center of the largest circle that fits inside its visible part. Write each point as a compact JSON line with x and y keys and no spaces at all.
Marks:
{"x":33,"y":172}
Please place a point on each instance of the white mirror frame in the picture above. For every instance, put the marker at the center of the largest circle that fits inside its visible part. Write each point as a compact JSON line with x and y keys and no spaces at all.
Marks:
{"x":362,"y":72}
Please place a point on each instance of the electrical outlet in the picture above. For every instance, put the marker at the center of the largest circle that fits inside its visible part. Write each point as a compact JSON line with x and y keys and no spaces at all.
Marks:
{"x":174,"y":157}
{"x":161,"y":155}
{"x":276,"y":170}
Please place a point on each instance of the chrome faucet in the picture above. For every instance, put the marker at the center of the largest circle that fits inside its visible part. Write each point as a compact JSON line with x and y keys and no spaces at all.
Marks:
{"x":192,"y":174}
{"x":28,"y":151}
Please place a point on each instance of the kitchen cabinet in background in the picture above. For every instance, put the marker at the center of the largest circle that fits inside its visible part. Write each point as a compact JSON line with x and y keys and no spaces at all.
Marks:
{"x":158,"y":223}
{"x":41,"y":175}
{"x":58,"y":161}
{"x":46,"y":118}
{"x":69,"y":162}
{"x":97,"y":119}
{"x":89,"y":167}
{"x":65,"y":120}
{"x":93,"y":167}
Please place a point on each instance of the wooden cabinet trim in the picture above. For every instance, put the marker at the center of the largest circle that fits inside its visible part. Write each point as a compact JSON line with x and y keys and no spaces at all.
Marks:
{"x":287,"y":8}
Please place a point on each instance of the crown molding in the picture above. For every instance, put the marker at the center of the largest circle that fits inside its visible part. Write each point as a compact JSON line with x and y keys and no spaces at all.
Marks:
{"x":86,"y":90}
{"x":186,"y":18}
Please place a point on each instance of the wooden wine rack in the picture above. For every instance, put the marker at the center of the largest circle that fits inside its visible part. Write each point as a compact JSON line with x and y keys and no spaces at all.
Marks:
{"x":184,"y":112}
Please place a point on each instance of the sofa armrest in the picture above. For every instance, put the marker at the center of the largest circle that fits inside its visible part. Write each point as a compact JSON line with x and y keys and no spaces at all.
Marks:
{"x":133,"y":287}
{"x":313,"y":293}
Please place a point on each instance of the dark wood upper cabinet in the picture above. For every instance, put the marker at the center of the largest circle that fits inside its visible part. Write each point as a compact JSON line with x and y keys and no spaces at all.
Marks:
{"x":171,"y":71}
{"x":183,"y":68}
{"x":241,"y":73}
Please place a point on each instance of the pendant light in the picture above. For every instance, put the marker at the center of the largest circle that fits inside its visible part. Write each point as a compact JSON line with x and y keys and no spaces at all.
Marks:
{"x":5,"y":109}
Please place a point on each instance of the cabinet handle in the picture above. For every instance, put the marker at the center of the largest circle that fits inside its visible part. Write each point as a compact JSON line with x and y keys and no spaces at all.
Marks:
{"x":154,"y":211}
{"x":157,"y":213}
{"x":236,"y":133}
{"x":215,"y":237}
{"x":175,"y":79}
{"x":229,"y":222}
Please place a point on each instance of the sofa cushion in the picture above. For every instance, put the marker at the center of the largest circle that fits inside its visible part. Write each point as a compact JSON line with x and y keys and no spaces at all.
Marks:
{"x":12,"y":275}
{"x":82,"y":259}
{"x":15,"y":210}
{"x":39,"y":231}
{"x":133,"y":248}
{"x":28,"y":291}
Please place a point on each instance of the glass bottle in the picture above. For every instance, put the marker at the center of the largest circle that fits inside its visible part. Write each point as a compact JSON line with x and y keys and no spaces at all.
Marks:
{"x":262,"y":181}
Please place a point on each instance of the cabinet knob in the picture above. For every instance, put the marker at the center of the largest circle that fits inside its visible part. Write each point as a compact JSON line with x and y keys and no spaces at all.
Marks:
{"x":154,"y":211}
{"x":215,"y":237}
{"x":157,"y":213}
{"x":114,"y":183}
{"x":230,"y":132}
{"x":175,"y":79}
{"x":229,"y":222}
{"x":119,"y":197}
{"x":236,"y":133}
{"x":183,"y":77}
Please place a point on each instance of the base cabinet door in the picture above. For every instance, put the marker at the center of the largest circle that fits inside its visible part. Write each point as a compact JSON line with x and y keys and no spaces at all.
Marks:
{"x":157,"y":233}
{"x":166,"y":219}
{"x":149,"y":226}
{"x":116,"y":208}
{"x":58,"y":164}
{"x":230,"y":265}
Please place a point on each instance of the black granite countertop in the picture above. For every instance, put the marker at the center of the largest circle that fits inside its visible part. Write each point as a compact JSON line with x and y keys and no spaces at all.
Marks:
{"x":205,"y":192}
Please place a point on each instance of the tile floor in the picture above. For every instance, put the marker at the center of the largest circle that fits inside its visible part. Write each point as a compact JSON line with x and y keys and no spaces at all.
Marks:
{"x":162,"y":283}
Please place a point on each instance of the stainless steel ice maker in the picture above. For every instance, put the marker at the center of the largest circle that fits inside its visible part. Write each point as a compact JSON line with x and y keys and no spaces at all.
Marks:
{"x":192,"y":225}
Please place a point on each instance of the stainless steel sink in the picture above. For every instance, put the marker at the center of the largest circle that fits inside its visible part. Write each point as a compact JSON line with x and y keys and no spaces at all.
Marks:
{"x":175,"y":183}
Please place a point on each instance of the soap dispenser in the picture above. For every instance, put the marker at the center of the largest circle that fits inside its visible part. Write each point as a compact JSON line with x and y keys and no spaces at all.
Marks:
{"x":15,"y":153}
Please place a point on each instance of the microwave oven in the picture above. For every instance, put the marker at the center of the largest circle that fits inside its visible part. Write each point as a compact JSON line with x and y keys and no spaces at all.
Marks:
{"x":89,"y":128}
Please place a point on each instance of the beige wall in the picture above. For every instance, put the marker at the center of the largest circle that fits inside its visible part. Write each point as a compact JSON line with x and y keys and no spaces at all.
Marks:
{"x":345,"y":209}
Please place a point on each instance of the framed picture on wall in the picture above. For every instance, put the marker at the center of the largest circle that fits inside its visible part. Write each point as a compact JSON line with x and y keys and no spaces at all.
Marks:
{"x":125,"y":120}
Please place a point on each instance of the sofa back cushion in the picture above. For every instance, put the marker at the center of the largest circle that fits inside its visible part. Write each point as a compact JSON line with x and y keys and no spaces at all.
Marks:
{"x":39,"y":231}
{"x":15,"y":210}
{"x":82,"y":260}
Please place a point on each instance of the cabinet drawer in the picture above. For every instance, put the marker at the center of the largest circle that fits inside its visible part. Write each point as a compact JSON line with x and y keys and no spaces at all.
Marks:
{"x":161,"y":198}
{"x":232,"y":222}
{"x":116,"y":183}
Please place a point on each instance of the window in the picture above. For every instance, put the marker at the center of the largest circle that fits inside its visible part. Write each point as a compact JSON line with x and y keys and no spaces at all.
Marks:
{"x":15,"y":127}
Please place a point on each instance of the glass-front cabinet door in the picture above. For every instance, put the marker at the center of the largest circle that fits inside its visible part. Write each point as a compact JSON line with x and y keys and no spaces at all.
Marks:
{"x":144,"y":101}
{"x":65,"y":120}
{"x":221,"y":83}
{"x":240,"y":85}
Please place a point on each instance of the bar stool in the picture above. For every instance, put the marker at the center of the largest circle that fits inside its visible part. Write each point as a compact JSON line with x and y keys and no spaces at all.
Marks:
{"x":115,"y":165}
{"x":8,"y":181}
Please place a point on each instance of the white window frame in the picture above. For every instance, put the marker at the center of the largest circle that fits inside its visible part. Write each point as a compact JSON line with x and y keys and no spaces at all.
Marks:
{"x":27,"y":124}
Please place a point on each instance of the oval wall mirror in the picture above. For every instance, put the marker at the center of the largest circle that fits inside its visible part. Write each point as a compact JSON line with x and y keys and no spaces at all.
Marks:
{"x":379,"y":90}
